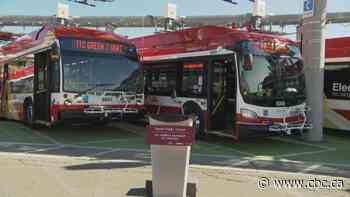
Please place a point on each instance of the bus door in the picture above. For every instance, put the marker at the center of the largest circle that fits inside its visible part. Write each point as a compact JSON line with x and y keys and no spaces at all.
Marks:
{"x":222,"y":94}
{"x":42,"y":94}
{"x":3,"y":90}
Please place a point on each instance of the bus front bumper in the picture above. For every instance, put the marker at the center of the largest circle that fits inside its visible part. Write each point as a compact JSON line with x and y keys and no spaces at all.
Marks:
{"x":79,"y":115}
{"x":278,"y":128}
{"x":288,"y":127}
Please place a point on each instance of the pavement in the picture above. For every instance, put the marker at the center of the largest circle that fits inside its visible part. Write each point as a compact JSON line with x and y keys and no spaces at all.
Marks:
{"x":144,"y":156}
{"x":115,"y":161}
{"x":73,"y":177}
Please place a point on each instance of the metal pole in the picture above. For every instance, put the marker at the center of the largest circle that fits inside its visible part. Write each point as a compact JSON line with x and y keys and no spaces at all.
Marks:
{"x":299,"y":33}
{"x":313,"y":46}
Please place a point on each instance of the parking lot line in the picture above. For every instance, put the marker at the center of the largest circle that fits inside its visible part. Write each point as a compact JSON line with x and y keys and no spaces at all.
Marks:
{"x":102,"y":141}
{"x":52,"y":140}
{"x":228,"y":168}
{"x":319,"y":163}
{"x":300,"y":142}
{"x":4,"y":143}
{"x":304,"y":153}
{"x":24,"y":156}
{"x":239,"y":163}
{"x":47,"y":149}
{"x":103,"y":153}
{"x":215,"y":156}
{"x":231,"y":149}
{"x":311,"y":168}
{"x":100,"y":148}
{"x":41,"y":156}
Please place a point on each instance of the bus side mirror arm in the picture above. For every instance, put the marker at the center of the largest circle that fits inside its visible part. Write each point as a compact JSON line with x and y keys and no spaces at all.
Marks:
{"x":173,"y":94}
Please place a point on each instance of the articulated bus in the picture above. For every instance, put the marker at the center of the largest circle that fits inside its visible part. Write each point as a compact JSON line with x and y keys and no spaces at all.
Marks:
{"x":337,"y":84}
{"x":237,"y":82}
{"x":61,"y":73}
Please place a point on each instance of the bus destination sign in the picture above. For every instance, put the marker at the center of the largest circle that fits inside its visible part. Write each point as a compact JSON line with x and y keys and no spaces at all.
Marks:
{"x":92,"y":46}
{"x":97,"y":46}
{"x":271,"y":47}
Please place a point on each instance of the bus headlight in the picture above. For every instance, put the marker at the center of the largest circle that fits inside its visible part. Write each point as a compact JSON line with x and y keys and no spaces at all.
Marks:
{"x":249,"y":113}
{"x":67,"y":102}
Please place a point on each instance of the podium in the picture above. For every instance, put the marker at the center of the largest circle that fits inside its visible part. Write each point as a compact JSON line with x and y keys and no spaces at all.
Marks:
{"x":170,"y":138}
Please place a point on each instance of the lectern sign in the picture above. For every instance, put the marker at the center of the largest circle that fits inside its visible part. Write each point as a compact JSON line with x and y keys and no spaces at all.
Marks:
{"x":170,"y":135}
{"x":170,"y":139}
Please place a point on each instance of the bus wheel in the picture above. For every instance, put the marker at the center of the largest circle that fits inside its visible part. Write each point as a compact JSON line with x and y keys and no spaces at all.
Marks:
{"x":28,"y":113}
{"x":199,"y":119}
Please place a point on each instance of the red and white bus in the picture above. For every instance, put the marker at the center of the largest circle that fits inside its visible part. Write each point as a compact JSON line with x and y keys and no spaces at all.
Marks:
{"x":61,"y":73}
{"x":337,"y":84}
{"x":237,"y":82}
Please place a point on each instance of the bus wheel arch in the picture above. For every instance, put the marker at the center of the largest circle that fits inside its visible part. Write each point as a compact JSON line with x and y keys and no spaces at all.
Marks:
{"x":28,"y":111}
{"x":191,"y":107}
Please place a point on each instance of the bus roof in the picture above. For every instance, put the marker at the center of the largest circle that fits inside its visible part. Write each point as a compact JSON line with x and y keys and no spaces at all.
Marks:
{"x":338,"y":49}
{"x":197,"y":39}
{"x":47,"y":35}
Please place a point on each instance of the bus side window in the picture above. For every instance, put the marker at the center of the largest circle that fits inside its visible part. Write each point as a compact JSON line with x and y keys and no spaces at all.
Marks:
{"x":224,"y":79}
{"x":161,"y":80}
{"x":41,"y":61}
{"x":230,"y":79}
{"x":218,"y":78}
{"x":192,"y":80}
{"x":55,"y":70}
{"x":23,"y":86}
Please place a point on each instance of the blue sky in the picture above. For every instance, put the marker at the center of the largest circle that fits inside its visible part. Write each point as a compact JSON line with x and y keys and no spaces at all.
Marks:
{"x":157,"y":7}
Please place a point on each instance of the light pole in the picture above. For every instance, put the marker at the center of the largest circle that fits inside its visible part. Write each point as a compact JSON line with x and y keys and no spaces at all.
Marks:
{"x":313,"y":47}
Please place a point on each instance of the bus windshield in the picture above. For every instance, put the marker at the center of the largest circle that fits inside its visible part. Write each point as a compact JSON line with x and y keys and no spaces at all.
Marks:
{"x":85,"y":71}
{"x":271,"y":74}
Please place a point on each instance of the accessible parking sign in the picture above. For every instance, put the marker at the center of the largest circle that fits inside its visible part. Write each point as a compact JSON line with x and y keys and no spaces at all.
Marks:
{"x":309,"y":8}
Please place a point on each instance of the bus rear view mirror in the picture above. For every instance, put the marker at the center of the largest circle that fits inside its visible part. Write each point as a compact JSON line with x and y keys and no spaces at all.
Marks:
{"x":248,"y":62}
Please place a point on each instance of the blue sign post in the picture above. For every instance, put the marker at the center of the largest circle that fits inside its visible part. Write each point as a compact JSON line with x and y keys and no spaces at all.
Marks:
{"x":309,"y":8}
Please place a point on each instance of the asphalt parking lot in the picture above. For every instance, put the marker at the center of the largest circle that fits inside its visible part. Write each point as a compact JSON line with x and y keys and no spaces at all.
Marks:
{"x":122,"y":140}
{"x":34,"y":175}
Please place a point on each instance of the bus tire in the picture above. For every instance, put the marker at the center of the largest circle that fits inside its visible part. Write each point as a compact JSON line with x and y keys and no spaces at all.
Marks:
{"x":28,"y":112}
{"x":193,"y":108}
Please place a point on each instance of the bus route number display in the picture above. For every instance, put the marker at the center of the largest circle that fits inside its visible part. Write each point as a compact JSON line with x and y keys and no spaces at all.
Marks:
{"x":170,"y":135}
